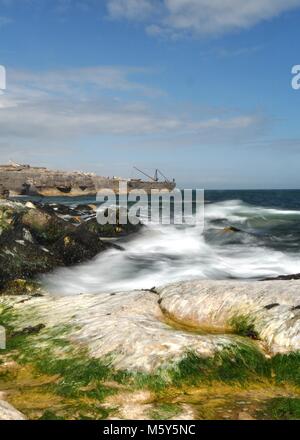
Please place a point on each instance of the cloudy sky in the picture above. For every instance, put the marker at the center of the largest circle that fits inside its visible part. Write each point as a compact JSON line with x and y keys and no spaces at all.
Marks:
{"x":199,"y":88}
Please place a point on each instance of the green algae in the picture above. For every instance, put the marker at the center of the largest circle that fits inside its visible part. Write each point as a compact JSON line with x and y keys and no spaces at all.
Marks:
{"x":280,"y":408}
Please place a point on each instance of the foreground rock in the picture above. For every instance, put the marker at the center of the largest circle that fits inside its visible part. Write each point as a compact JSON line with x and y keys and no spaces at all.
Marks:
{"x":131,"y":327}
{"x":270,"y":310}
{"x":8,"y":412}
{"x":188,"y":350}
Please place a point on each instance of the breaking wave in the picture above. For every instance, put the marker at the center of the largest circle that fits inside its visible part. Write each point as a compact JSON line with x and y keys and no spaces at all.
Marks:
{"x":240,"y":241}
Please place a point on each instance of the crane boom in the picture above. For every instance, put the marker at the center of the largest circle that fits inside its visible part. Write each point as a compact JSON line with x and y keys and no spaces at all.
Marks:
{"x":145,"y":174}
{"x":155,"y":178}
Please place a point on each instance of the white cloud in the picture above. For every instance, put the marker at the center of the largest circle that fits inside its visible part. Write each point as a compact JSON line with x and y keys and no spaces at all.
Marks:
{"x":201,"y":17}
{"x":75,"y":103}
{"x":101,"y":78}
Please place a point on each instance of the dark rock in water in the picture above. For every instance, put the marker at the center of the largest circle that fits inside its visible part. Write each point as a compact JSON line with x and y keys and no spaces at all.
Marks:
{"x":34,"y":240}
{"x":23,"y":260}
{"x":78,"y":245}
{"x":112,"y":230}
{"x":231,"y":229}
{"x":284,"y":277}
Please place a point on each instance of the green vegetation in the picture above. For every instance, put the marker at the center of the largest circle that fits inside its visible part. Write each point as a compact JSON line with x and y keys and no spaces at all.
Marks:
{"x":77,"y":385}
{"x":280,"y":408}
{"x":164,"y":411}
{"x":286,"y":368}
{"x":244,"y":326}
{"x":5,"y":218}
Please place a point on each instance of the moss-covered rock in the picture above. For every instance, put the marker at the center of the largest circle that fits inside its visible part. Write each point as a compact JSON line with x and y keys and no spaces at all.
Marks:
{"x":35,"y":240}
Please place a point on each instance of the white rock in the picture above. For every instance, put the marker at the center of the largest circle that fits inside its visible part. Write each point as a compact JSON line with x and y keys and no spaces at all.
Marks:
{"x":30,"y":205}
{"x":213,"y":303}
{"x":8,"y":412}
{"x":131,"y":326}
{"x":128,"y":325}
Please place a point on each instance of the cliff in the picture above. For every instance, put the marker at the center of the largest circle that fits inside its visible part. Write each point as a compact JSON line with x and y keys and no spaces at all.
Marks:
{"x":27,"y":180}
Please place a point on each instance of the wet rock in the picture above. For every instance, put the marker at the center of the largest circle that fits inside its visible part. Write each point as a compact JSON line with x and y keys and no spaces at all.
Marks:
{"x":19,"y":261}
{"x":113,"y":229}
{"x":284,"y":278}
{"x":34,"y":240}
{"x":78,"y":245}
{"x":231,"y":229}
{"x":44,"y":226}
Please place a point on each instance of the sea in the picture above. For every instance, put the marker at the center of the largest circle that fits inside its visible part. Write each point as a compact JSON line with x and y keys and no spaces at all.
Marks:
{"x":266,"y":243}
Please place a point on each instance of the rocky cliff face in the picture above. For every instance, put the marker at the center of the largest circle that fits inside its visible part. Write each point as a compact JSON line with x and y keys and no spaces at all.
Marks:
{"x":26,"y":180}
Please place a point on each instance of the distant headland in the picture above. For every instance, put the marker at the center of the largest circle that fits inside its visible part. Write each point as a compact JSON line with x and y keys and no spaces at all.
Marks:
{"x":16,"y":180}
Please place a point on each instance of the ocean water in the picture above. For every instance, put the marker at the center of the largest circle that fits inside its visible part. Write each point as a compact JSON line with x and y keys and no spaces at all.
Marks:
{"x":268,"y":245}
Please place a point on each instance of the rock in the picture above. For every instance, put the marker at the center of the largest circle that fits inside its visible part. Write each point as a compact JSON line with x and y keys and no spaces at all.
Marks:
{"x":112,"y":230}
{"x":28,"y":330}
{"x":128,"y":327}
{"x":21,"y":287}
{"x":4,"y":192}
{"x":245,"y":416}
{"x":18,"y":261}
{"x":45,"y":227}
{"x":215,"y":305}
{"x":231,"y":229}
{"x":8,"y":412}
{"x":284,"y":278}
{"x":79,"y":245}
{"x":30,"y":205}
{"x":35,"y":240}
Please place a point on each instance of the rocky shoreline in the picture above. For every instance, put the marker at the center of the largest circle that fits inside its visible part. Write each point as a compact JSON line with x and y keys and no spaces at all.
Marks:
{"x":188,"y":350}
{"x":37,"y":238}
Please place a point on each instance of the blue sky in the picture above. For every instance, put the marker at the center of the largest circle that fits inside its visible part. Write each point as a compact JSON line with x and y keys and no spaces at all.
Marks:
{"x":199,"y":88}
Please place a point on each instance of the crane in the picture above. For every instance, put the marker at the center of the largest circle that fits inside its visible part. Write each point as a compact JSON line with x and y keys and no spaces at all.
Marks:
{"x":156,"y":175}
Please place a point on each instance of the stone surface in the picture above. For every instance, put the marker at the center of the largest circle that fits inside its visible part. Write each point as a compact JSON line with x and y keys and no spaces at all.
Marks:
{"x":129,"y":326}
{"x":272,"y":305}
{"x":8,"y":412}
{"x":27,"y":180}
{"x":35,"y":240}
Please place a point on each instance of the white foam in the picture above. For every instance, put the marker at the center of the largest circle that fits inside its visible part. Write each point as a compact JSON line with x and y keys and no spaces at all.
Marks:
{"x":163,"y":254}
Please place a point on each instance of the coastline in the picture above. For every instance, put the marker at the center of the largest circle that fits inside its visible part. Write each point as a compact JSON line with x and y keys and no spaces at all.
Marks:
{"x":151,"y":354}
